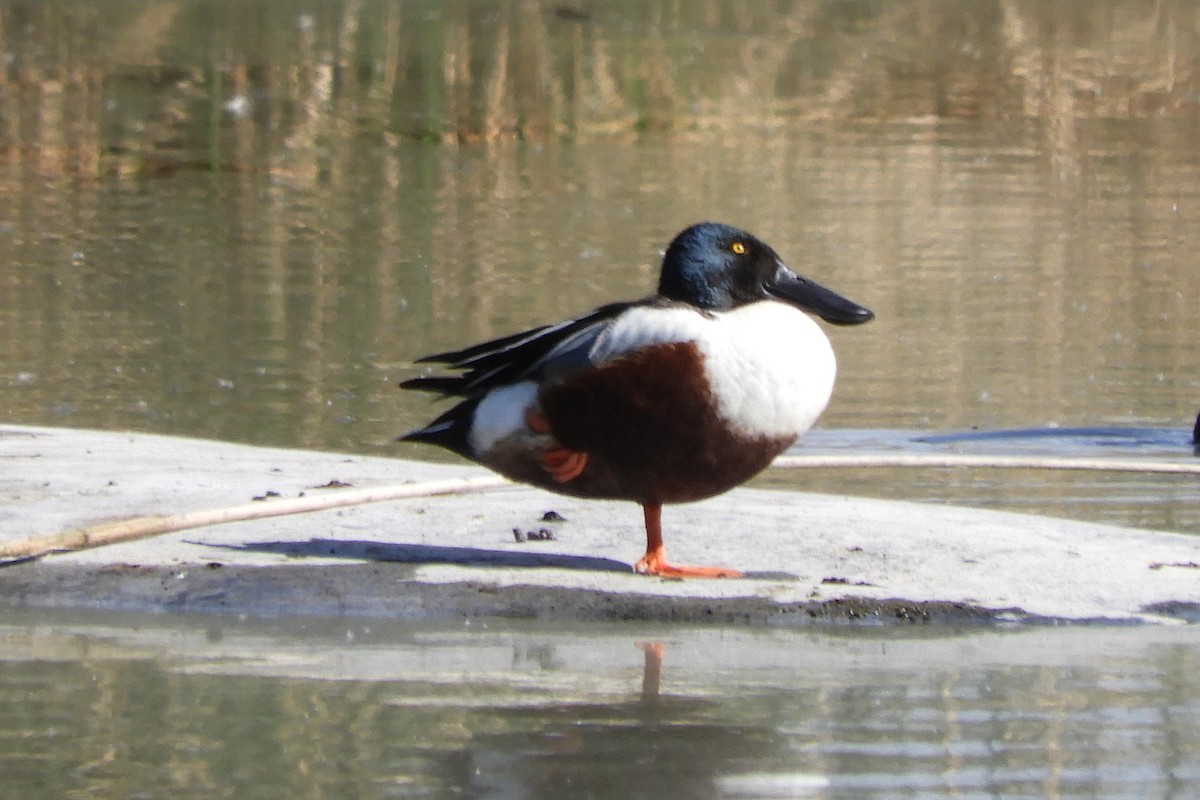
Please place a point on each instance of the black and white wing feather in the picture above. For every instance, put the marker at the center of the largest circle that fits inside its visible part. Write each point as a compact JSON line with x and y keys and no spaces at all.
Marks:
{"x":536,"y":354}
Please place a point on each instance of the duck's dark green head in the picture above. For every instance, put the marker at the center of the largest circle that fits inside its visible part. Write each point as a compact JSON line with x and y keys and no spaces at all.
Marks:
{"x":719,"y":267}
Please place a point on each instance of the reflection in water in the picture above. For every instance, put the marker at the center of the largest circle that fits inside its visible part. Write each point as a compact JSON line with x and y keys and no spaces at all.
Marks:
{"x":651,"y":671}
{"x":339,"y":710}
{"x":245,"y":221}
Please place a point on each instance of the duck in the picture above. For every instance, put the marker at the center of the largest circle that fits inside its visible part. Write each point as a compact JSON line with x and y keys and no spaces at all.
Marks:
{"x":672,"y":398}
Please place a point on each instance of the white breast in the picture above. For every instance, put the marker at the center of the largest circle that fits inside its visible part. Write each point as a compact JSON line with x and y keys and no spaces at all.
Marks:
{"x":770,"y":366}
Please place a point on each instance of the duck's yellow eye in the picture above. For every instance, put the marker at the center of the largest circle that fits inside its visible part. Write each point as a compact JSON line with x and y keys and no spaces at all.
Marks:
{"x":738,"y":247}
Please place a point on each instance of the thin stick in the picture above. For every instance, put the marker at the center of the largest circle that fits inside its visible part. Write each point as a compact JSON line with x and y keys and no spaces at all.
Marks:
{"x":128,"y":530}
{"x":938,"y":460}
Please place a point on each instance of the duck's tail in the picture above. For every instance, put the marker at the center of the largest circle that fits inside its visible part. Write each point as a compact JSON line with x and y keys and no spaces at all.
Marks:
{"x":450,"y":430}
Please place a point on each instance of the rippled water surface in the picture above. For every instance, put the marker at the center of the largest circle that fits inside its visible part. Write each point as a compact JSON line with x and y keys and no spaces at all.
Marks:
{"x":167,"y":708}
{"x":244,"y":221}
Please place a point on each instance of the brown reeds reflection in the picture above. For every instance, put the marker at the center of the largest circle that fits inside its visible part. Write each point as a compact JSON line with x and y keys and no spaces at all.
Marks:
{"x":110,"y":88}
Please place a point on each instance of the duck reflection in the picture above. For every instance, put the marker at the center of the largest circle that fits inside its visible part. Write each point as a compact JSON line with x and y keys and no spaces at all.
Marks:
{"x":652,"y":745}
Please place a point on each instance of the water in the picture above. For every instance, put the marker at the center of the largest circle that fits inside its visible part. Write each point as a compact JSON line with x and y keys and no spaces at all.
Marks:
{"x":244,"y":221}
{"x":185,"y":708}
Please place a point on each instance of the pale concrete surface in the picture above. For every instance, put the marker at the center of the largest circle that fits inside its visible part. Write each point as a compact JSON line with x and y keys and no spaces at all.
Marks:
{"x":809,"y":557}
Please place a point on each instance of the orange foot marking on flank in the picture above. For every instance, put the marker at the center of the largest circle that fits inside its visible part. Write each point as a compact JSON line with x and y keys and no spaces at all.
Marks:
{"x":654,"y":562}
{"x":536,"y":422}
{"x":562,"y":463}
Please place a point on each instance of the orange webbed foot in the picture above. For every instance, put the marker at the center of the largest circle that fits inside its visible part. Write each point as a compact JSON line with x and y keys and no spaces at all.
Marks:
{"x":563,"y":463}
{"x":655,"y":563}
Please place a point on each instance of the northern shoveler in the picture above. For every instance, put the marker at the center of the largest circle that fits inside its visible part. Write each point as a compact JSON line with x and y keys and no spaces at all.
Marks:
{"x":669,"y":399}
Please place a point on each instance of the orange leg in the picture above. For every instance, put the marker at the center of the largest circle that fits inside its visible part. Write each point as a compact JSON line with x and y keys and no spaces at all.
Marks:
{"x":655,"y":560}
{"x":562,"y":463}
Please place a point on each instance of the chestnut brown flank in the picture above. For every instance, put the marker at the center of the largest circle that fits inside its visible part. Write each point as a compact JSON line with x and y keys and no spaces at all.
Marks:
{"x":649,"y":425}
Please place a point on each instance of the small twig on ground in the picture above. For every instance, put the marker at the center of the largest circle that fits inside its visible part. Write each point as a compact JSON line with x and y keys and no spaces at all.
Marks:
{"x":128,"y":530}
